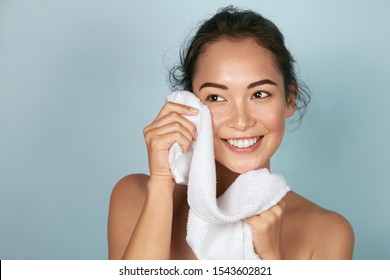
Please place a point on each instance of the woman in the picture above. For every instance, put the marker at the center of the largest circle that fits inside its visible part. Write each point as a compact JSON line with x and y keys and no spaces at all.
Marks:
{"x":238,"y":65}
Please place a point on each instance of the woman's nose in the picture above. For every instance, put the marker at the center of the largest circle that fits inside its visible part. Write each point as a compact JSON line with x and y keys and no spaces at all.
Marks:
{"x":240,"y":118}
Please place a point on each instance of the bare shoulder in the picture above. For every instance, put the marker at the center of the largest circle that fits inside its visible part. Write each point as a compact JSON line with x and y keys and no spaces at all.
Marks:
{"x":127,"y":199}
{"x":130,"y":187}
{"x":329,"y":233}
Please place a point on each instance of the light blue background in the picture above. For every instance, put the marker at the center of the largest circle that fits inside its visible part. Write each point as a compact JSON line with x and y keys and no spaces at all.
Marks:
{"x":80,"y":79}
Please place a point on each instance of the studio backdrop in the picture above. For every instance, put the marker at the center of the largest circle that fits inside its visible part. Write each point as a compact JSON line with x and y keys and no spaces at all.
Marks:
{"x":79,"y":80}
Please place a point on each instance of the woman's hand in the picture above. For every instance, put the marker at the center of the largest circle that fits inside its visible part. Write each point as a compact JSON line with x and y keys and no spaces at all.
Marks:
{"x":267,"y":231}
{"x":168,"y":127}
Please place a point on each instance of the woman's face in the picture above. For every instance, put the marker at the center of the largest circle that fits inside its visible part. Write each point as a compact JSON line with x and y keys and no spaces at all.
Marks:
{"x":244,"y":89}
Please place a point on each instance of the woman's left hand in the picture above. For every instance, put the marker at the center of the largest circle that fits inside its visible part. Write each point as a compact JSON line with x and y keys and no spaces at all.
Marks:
{"x":267,"y":232}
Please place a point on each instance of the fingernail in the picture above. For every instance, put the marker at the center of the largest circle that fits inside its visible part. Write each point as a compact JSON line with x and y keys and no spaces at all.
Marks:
{"x":192,"y":109}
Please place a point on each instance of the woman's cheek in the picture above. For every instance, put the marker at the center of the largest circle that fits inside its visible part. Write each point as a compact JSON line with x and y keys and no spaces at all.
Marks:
{"x":217,"y":117}
{"x":274,"y":118}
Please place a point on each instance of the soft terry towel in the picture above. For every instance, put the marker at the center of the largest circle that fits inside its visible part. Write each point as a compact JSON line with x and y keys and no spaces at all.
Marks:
{"x":215,"y":227}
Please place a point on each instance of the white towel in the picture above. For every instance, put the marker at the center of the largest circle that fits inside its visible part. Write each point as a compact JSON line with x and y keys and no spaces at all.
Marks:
{"x":215,"y":227}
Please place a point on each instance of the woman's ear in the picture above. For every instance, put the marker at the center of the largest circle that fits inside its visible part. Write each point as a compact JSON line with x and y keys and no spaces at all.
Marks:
{"x":291,"y":105}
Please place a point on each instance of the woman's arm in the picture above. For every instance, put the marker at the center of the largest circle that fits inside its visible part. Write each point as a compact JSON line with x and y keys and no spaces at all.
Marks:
{"x":148,"y":229}
{"x":151,"y":238}
{"x":126,"y":203}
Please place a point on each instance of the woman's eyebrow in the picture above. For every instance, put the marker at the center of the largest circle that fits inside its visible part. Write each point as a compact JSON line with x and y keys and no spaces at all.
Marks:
{"x":208,"y":84}
{"x":252,"y":85}
{"x":261,"y":82}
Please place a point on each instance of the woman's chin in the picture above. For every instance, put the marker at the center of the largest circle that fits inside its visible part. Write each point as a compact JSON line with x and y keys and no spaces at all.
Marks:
{"x":240,"y":169}
{"x":243,"y":166}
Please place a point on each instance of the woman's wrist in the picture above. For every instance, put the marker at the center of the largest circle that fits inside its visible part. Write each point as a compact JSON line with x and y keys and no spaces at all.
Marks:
{"x":160,"y":185}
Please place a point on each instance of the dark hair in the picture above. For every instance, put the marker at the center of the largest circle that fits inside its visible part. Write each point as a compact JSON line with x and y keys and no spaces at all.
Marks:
{"x":236,"y":24}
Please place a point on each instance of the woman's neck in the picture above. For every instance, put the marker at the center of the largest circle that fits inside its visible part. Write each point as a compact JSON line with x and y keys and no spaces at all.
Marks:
{"x":226,"y":177}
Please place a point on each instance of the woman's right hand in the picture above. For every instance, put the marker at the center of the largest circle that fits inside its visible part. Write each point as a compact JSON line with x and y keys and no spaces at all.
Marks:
{"x":168,"y":127}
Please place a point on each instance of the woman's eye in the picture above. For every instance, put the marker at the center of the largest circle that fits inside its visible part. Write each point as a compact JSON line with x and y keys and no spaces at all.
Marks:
{"x":260,"y":95}
{"x":214,"y":98}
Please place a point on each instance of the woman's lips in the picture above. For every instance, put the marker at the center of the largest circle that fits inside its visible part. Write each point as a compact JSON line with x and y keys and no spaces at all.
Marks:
{"x":243,"y":145}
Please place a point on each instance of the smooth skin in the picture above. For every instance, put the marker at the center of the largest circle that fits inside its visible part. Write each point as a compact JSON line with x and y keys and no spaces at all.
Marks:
{"x":244,"y":89}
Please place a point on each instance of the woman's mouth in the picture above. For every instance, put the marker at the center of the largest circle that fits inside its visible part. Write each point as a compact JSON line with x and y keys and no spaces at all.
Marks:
{"x":243,"y":144}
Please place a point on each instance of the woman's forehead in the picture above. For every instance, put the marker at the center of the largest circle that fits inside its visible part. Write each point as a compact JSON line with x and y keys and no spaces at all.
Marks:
{"x":236,"y":57}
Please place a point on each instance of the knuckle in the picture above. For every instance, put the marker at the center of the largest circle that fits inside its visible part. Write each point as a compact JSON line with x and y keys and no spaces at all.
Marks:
{"x":193,"y":127}
{"x":174,"y":114}
{"x":176,"y":125}
{"x":146,"y":130}
{"x":279,"y":211}
{"x":147,"y":136}
{"x":255,"y":222}
{"x":178,"y":135}
{"x":168,"y":106}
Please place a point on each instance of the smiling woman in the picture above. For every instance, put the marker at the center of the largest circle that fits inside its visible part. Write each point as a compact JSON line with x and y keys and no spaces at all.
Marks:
{"x":248,"y":104}
{"x":237,"y":64}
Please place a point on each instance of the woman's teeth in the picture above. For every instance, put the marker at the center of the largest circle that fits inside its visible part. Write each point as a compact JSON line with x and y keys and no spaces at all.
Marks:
{"x":243,"y":143}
